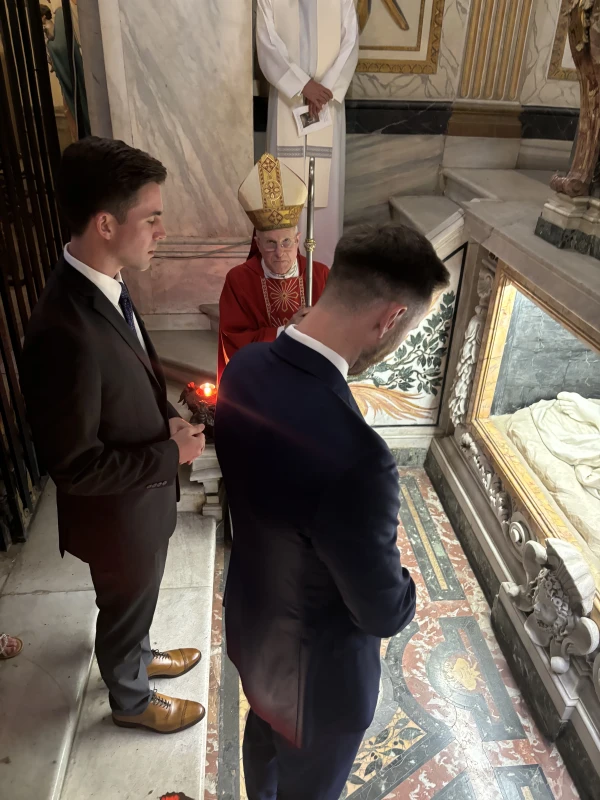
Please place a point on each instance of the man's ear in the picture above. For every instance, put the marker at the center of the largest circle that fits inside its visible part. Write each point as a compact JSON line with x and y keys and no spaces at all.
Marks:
{"x":105,"y":224}
{"x":393,"y":314}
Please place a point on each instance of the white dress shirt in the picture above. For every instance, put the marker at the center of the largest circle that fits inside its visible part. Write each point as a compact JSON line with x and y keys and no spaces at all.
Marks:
{"x":335,"y":358}
{"x":110,"y":287}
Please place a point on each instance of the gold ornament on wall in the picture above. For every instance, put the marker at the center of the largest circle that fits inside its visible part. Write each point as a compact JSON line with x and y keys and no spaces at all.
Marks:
{"x":410,"y":48}
{"x":364,"y":12}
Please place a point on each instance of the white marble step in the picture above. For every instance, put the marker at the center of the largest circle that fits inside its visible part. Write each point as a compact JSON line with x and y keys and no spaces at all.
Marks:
{"x":211,"y":310}
{"x":193,"y":495}
{"x":435,"y":216}
{"x":177,"y":322}
{"x":465,"y":185}
{"x":54,"y":716}
{"x":429,"y":214}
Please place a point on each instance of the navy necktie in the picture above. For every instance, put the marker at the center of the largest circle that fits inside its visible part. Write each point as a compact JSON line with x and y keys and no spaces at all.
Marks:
{"x":127,"y":307}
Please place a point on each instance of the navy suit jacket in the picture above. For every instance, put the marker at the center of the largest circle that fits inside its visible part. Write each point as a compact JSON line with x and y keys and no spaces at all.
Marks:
{"x":315,"y":578}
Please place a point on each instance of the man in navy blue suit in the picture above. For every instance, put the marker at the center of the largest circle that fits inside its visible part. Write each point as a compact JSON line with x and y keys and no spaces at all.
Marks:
{"x":315,"y":579}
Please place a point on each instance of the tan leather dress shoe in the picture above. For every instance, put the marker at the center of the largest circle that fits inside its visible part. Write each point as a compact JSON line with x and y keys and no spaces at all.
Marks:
{"x":173,"y":663}
{"x":164,"y":715}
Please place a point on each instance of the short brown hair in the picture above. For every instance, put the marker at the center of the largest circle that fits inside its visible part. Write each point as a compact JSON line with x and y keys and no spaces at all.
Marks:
{"x":375,"y":262}
{"x":103,"y":175}
{"x":45,"y":11}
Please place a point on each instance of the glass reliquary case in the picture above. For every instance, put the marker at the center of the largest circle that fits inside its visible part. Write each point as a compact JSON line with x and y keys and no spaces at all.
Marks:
{"x":535,"y":411}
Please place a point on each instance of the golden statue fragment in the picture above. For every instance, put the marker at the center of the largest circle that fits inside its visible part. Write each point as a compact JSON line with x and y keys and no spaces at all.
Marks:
{"x":584,"y":39}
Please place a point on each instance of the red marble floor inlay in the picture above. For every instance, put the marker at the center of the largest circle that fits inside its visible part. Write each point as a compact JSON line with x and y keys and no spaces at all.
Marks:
{"x":457,"y":687}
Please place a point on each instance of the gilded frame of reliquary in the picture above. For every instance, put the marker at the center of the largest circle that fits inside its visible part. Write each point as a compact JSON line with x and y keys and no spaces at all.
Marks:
{"x":544,"y":518}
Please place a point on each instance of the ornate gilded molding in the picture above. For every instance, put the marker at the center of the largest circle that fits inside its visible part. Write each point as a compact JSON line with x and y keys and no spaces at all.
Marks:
{"x":467,"y":361}
{"x":556,"y":71}
{"x":558,"y":596}
{"x":410,"y":66}
{"x":495,"y":49}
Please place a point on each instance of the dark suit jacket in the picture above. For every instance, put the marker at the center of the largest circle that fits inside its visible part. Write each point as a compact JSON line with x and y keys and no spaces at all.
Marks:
{"x":315,"y":578}
{"x":98,"y":408}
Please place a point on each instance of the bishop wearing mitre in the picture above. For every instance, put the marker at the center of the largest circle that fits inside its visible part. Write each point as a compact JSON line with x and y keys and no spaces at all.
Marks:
{"x":266,"y":293}
{"x":308,"y":52}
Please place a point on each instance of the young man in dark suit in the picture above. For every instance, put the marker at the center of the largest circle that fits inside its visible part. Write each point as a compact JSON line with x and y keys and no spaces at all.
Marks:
{"x":315,"y":579}
{"x":103,"y":428}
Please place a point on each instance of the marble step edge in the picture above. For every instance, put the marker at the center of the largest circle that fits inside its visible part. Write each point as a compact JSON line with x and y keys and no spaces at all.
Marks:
{"x":181,"y":373}
{"x":416,"y":211}
{"x":178,"y":322}
{"x":461,"y":189}
{"x":211,"y":310}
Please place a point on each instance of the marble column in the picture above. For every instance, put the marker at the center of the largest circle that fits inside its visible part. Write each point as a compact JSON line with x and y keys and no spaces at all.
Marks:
{"x":485,"y":116}
{"x":179,"y":85}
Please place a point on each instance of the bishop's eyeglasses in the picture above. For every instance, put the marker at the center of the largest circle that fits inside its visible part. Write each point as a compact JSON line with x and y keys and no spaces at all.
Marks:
{"x":286,"y":244}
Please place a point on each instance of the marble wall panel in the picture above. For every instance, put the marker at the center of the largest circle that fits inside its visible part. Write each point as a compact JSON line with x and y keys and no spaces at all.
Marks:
{"x":187,"y":101}
{"x":539,"y":122}
{"x":537,"y":88}
{"x":442,"y":85}
{"x":180,"y":285}
{"x":478,"y":152}
{"x":378,"y":167}
{"x":544,"y":154}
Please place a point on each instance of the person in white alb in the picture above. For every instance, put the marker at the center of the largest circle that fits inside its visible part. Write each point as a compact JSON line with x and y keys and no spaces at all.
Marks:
{"x":309,"y":57}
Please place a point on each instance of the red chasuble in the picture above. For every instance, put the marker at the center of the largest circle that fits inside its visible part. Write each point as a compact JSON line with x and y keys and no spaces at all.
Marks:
{"x":253,"y":307}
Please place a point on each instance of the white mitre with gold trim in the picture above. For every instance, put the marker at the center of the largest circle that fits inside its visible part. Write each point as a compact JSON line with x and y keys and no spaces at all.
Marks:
{"x":272,"y":195}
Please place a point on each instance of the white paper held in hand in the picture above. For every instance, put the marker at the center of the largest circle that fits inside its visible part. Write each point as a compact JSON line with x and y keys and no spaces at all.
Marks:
{"x":307,"y":124}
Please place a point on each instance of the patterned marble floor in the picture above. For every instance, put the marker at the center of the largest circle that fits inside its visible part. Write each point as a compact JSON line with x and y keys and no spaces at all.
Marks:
{"x":450,"y":723}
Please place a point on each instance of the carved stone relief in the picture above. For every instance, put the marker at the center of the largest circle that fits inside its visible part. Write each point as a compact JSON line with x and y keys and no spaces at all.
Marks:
{"x":558,"y":596}
{"x":467,"y":361}
{"x":498,"y":498}
{"x":518,"y":532}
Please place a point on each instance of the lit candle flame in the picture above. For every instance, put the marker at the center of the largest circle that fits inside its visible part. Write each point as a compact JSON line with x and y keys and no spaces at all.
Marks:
{"x":207,"y":389}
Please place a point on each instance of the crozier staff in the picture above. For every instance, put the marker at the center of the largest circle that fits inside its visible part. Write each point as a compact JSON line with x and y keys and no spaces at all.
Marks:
{"x":269,"y":290}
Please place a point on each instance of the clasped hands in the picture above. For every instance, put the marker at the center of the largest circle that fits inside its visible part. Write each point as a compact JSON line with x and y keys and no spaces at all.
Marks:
{"x":316,"y":96}
{"x":188,"y":438}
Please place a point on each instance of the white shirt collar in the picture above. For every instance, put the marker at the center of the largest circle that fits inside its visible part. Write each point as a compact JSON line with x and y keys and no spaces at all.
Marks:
{"x":335,"y":358}
{"x":111,"y":287}
{"x":292,"y":273}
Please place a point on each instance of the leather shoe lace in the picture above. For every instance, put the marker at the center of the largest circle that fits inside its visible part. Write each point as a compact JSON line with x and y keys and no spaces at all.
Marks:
{"x":160,"y":655}
{"x":160,"y":701}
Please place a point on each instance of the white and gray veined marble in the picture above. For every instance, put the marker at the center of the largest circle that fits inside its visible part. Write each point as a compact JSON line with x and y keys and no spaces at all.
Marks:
{"x":442,"y":85}
{"x":479,"y":152}
{"x":537,"y":89}
{"x":379,"y":166}
{"x":188,"y":95}
{"x":548,"y":154}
